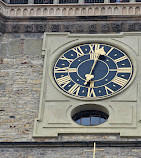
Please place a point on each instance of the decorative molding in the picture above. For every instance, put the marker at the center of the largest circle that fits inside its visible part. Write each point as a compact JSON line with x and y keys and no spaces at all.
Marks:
{"x":43,"y":10}
{"x":72,"y":26}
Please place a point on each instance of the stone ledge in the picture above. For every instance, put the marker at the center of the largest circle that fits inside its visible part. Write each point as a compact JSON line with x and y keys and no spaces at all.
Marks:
{"x":70,"y":144}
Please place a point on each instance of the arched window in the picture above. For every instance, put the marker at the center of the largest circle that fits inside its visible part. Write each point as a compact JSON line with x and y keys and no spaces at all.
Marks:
{"x":90,"y":117}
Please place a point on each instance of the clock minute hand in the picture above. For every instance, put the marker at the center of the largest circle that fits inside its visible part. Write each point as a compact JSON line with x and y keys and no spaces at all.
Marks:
{"x":96,"y":56}
{"x":90,"y":76}
{"x":95,"y":61}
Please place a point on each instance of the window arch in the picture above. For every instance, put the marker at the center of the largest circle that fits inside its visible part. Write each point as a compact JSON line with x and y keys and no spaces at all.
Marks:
{"x":90,"y":114}
{"x":90,"y":117}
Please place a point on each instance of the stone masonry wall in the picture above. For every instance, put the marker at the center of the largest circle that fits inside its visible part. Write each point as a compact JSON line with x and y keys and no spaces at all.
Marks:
{"x":73,"y":152}
{"x":20,"y":81}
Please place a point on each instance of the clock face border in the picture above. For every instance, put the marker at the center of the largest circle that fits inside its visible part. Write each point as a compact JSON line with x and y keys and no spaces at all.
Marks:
{"x":126,"y":51}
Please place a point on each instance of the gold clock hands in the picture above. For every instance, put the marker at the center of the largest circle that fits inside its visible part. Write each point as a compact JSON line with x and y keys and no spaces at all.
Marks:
{"x":90,"y":76}
{"x":95,"y":61}
{"x":97,"y":54}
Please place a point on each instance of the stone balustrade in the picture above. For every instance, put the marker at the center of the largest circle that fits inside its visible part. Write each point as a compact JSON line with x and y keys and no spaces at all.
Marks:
{"x":43,"y":10}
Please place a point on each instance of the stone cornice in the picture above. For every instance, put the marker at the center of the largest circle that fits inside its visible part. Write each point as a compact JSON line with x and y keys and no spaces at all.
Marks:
{"x":84,"y":23}
{"x":81,"y":24}
{"x":47,"y":10}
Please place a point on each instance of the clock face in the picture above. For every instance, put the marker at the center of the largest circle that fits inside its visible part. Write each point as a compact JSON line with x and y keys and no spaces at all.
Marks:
{"x":93,"y":71}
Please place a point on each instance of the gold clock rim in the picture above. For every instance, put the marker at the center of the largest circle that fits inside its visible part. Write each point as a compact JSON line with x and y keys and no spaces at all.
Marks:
{"x":65,"y":49}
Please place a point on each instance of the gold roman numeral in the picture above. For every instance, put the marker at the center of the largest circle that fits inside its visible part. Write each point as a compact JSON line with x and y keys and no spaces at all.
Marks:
{"x":109,"y":51}
{"x":72,"y":69}
{"x":64,"y":70}
{"x":97,"y":47}
{"x":74,"y":88}
{"x":120,"y":81}
{"x":63,"y":81}
{"x":69,"y":60}
{"x":93,"y":56}
{"x":124,"y":70}
{"x":78,"y":51}
{"x":121,"y":59}
{"x":91,"y":92}
{"x":112,"y":69}
{"x":91,"y":84}
{"x":108,"y":89}
{"x":61,"y":70}
{"x":91,"y":48}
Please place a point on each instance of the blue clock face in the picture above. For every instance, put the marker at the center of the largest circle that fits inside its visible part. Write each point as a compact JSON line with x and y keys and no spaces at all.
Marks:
{"x":93,"y":71}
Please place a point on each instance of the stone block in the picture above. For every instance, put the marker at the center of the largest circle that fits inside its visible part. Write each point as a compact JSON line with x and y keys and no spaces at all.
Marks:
{"x":2,"y":74}
{"x":4,"y":49}
{"x":2,"y":86}
{"x":1,"y":61}
{"x":8,"y":61}
{"x":14,"y":47}
{"x":33,"y":46}
{"x":35,"y":81}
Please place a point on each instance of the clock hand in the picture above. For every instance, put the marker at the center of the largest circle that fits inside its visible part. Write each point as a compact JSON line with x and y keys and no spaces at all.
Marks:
{"x":90,"y":76}
{"x":95,"y":61}
{"x":97,"y":54}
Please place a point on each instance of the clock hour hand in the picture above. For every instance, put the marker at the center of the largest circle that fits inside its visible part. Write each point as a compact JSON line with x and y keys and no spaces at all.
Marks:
{"x":88,"y":78}
{"x":96,"y":56}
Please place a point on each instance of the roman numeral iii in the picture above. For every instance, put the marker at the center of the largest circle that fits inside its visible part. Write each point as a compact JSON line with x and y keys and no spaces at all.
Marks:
{"x":120,"y":81}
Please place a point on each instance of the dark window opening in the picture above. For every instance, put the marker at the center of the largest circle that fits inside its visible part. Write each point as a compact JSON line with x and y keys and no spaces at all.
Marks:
{"x":119,"y":1}
{"x":18,"y":1}
{"x":94,"y":1}
{"x":68,"y":1}
{"x":90,"y":118}
{"x":43,"y":1}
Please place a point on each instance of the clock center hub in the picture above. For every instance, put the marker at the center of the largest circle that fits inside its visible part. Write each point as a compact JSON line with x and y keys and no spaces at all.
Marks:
{"x":100,"y":71}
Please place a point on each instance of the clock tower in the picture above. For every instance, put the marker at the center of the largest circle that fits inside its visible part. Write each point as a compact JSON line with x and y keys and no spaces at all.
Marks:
{"x":70,"y":75}
{"x":88,"y":85}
